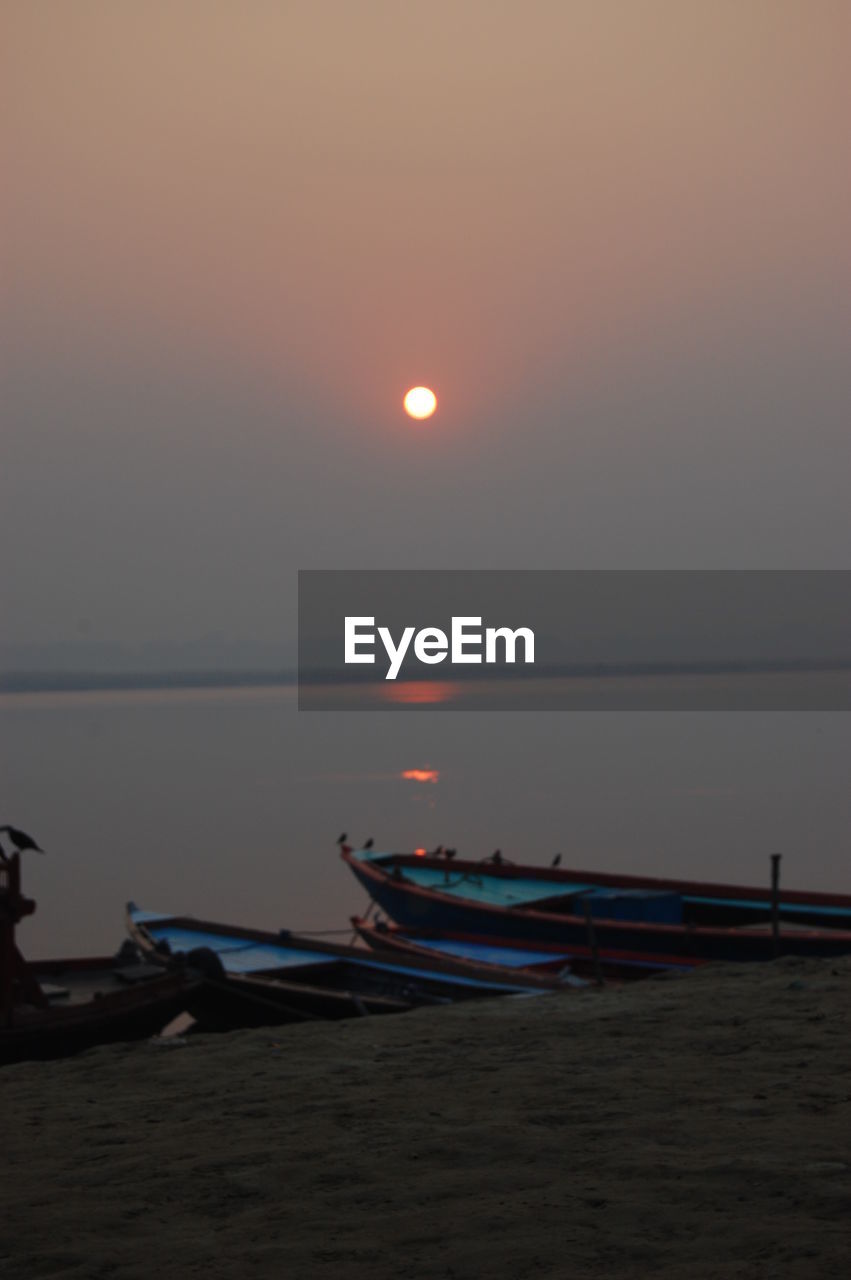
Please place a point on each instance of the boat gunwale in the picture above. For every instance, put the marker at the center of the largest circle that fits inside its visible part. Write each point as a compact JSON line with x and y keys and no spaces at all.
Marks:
{"x":609,"y":879}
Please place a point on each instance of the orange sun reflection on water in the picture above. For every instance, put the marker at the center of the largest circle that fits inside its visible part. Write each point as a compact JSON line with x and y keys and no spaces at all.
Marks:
{"x":421,"y":775}
{"x":419,"y":691}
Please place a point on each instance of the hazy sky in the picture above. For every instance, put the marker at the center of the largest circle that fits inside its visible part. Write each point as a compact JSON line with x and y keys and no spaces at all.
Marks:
{"x":612,"y":236}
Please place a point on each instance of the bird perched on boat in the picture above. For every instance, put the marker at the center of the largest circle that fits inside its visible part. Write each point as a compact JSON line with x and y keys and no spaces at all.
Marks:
{"x":556,"y":860}
{"x":19,"y":839}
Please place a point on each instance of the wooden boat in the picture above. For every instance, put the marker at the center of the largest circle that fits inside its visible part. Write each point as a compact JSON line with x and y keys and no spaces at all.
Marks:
{"x":52,"y":1008}
{"x":255,"y":978}
{"x":576,"y":965}
{"x":634,"y":918}
{"x":88,"y":1002}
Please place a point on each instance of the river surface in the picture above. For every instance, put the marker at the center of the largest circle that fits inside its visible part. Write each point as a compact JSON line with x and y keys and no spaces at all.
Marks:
{"x":227,"y":803}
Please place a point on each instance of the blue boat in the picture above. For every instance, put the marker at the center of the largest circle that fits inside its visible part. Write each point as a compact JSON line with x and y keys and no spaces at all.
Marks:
{"x":254,"y":978}
{"x":575,"y":965}
{"x":624,"y":919}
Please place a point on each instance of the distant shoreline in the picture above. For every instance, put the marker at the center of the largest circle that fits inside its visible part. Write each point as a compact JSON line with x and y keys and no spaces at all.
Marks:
{"x":96,"y":681}
{"x":222,"y":678}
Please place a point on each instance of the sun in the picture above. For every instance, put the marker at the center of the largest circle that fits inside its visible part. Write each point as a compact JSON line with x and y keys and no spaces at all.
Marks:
{"x":420,"y":402}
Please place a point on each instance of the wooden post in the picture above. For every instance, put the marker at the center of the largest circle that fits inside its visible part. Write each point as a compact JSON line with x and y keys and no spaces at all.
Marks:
{"x":775,"y":902}
{"x":7,"y":967}
{"x":9,"y":893}
{"x":591,"y":934}
{"x":13,"y":907}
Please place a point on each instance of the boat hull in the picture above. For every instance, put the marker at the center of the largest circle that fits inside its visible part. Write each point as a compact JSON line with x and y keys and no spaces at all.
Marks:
{"x":106,"y":1017}
{"x":413,"y":905}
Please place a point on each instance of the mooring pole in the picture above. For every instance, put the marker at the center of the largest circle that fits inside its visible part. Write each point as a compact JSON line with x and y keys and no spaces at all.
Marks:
{"x":775,"y":902}
{"x":7,"y":957}
{"x":13,"y":907}
{"x":591,"y":934}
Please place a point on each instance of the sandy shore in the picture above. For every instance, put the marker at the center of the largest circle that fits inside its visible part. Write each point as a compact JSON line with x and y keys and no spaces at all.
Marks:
{"x":688,"y":1127}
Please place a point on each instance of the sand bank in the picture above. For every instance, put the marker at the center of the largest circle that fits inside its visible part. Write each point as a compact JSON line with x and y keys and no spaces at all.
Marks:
{"x":694,"y":1127}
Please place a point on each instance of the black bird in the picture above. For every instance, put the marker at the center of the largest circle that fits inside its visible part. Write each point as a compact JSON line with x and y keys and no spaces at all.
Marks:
{"x":556,"y":860}
{"x":20,"y":839}
{"x":370,"y":842}
{"x":342,"y":839}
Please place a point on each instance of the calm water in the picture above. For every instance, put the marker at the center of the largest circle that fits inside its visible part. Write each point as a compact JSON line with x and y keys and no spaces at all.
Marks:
{"x":227,"y":803}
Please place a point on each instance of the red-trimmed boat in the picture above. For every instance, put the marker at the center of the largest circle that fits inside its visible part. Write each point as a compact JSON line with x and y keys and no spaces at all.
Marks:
{"x":579,"y":961}
{"x":626,"y":919}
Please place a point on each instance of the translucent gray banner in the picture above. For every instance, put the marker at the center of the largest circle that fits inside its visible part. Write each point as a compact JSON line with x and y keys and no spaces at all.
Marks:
{"x":571,"y":640}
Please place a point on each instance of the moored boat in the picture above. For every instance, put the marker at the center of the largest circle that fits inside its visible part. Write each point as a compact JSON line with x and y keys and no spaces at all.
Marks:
{"x":255,"y":977}
{"x":667,"y":922}
{"x":89,"y":1002}
{"x":579,"y":963}
{"x":53,"y":1008}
